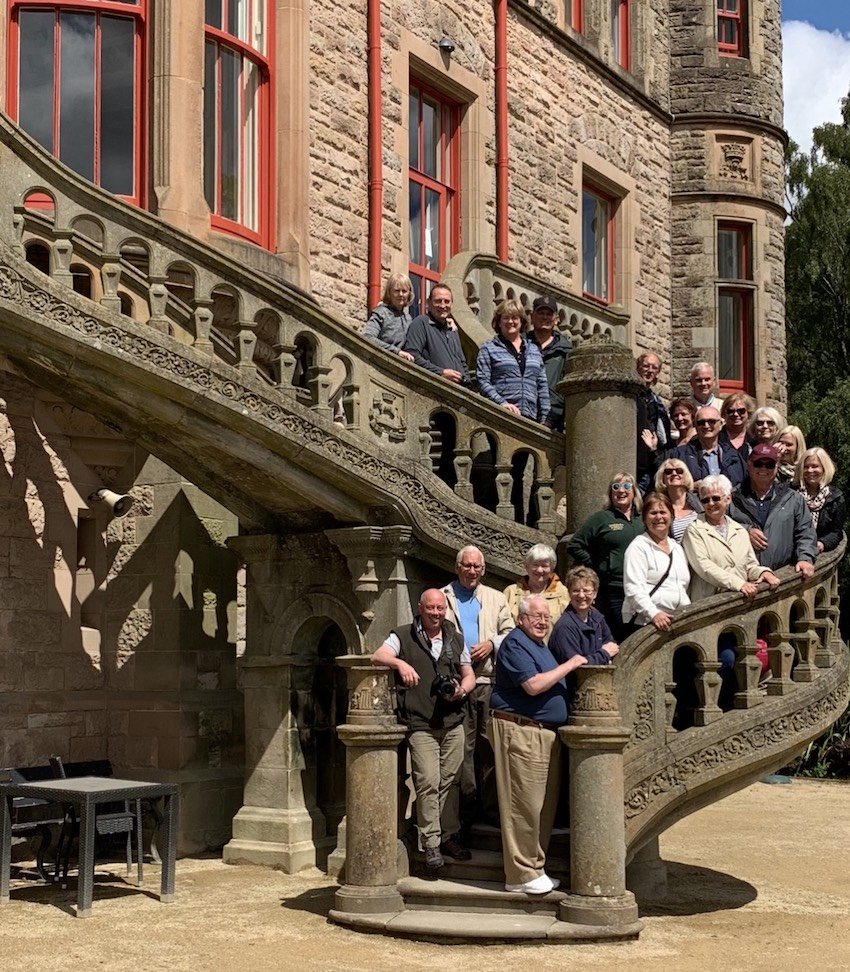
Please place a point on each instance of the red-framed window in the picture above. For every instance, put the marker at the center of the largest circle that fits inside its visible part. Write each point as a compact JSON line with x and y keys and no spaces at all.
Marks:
{"x":77,"y":83}
{"x":238,"y":152}
{"x":598,"y":235}
{"x":621,"y":15}
{"x":735,"y":306}
{"x":730,"y":28}
{"x":574,"y":13}
{"x":433,"y":186}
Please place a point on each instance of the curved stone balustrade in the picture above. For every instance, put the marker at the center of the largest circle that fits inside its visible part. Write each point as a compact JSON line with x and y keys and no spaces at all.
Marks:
{"x":681,"y":756}
{"x":243,"y":381}
{"x":479,"y":281}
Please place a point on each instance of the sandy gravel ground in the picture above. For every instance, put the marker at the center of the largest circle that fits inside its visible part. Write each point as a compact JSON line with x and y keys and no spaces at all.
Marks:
{"x":757,"y":882}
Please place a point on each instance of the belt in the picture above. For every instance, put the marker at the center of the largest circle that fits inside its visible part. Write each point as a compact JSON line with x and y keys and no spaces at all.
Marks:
{"x":522,"y":720}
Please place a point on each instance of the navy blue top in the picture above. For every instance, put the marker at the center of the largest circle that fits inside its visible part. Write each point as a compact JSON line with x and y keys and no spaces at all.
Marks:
{"x":517,"y":660}
{"x":571,"y":636}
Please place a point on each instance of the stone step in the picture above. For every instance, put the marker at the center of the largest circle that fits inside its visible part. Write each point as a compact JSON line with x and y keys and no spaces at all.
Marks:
{"x":485,"y":865}
{"x":474,"y":897}
{"x":487,"y":837}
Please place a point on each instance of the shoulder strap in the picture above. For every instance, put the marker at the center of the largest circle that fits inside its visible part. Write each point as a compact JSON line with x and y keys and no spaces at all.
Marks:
{"x":665,"y":575}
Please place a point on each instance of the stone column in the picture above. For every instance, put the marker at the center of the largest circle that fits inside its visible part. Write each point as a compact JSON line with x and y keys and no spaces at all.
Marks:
{"x":372,"y":736}
{"x":596,"y":739}
{"x":275,"y":825}
{"x":599,"y":388}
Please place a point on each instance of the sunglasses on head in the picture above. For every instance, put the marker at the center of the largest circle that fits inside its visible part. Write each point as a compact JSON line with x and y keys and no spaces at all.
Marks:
{"x":623,"y":487}
{"x":764,"y":463}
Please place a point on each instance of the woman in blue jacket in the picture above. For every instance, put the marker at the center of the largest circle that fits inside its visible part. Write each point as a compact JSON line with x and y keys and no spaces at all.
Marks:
{"x":510,"y":368}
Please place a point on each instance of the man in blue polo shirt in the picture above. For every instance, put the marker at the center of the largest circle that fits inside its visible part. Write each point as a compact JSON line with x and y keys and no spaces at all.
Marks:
{"x":528,"y":703}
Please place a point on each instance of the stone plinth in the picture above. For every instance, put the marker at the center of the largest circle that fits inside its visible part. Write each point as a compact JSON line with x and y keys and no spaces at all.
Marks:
{"x":596,"y":740}
{"x":600,"y":387}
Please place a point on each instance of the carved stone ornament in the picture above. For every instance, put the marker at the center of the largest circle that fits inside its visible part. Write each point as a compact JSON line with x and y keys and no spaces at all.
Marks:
{"x":290,"y":419}
{"x":592,"y":700}
{"x":736,"y":747}
{"x":386,"y":416}
{"x":644,"y":708}
{"x":733,"y":164}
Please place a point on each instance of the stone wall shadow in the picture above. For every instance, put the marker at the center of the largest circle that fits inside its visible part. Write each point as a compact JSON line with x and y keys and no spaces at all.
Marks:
{"x":694,"y":890}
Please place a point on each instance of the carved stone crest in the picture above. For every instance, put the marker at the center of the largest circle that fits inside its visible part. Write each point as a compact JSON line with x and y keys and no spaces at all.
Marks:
{"x":386,"y":416}
{"x":733,"y":164}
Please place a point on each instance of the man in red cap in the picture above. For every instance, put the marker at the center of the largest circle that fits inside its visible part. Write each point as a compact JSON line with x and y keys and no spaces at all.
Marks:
{"x":775,"y":515}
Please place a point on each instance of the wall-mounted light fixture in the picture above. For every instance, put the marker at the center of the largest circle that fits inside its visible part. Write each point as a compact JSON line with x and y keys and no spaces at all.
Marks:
{"x":446,"y":45}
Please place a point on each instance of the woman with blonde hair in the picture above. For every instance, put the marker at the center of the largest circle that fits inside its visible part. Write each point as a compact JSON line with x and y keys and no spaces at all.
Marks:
{"x":675,"y":481}
{"x":790,"y":444}
{"x":510,"y":368}
{"x":388,"y":323}
{"x":736,"y":412}
{"x":540,"y":580}
{"x":815,"y":473}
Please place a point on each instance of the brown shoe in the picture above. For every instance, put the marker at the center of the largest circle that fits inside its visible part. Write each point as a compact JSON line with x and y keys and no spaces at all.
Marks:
{"x":453,"y":848}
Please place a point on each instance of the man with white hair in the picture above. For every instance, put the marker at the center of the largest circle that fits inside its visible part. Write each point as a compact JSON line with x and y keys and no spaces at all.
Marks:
{"x":702,"y":386}
{"x":482,"y":615}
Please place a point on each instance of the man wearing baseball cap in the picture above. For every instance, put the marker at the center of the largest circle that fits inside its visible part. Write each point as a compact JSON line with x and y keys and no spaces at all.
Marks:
{"x":555,"y":348}
{"x":776,"y":516}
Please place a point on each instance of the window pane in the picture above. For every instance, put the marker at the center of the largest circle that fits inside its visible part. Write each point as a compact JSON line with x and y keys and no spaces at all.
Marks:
{"x":251,"y":137}
{"x":117,"y":103}
{"x":594,"y":234}
{"x":210,"y":128}
{"x":729,"y":254}
{"x":76,"y":96}
{"x":430,"y":137}
{"x":415,"y":223}
{"x":413,"y":131}
{"x":231,"y":65}
{"x":35,"y":113}
{"x":212,"y":14}
{"x":432,"y":230}
{"x":416,"y":305}
{"x":727,"y":31}
{"x":730,"y":331}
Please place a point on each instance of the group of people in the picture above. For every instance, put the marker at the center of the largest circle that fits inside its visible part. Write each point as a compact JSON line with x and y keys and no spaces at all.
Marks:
{"x":518,"y":369}
{"x":482,"y":681}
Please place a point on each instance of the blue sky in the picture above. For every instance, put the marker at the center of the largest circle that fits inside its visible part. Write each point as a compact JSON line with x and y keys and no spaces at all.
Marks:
{"x":816,"y":63}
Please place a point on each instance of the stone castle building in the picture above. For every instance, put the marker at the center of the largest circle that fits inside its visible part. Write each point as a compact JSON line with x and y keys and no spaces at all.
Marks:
{"x":201,"y":200}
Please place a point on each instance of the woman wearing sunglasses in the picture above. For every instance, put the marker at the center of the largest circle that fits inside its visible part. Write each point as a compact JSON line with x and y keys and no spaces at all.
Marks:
{"x":736,"y":412}
{"x":765,"y":425}
{"x":601,"y":542}
{"x":674,"y":480}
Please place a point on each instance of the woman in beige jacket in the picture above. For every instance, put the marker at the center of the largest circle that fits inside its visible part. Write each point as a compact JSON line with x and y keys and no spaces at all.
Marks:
{"x":540,"y":579}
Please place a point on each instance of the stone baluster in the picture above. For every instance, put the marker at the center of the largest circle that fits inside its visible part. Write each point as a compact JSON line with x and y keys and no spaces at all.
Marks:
{"x":748,"y":673}
{"x":319,"y":384}
{"x":110,"y":275}
{"x":284,"y":368}
{"x":600,"y":387}
{"x":158,"y":297}
{"x":596,"y":740}
{"x":805,"y":644}
{"x":545,"y":505}
{"x":425,"y":443}
{"x":371,"y":736}
{"x":504,"y":485}
{"x":18,"y":223}
{"x":62,"y":250}
{"x":246,"y":343}
{"x":670,"y":708}
{"x":708,"y":683}
{"x":780,"y":654}
{"x":351,"y":405}
{"x":463,"y":471}
{"x":822,"y":629}
{"x":203,"y":315}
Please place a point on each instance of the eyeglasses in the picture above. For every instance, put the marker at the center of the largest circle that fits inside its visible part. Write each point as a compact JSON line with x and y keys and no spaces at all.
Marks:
{"x":736,"y":411}
{"x":711,"y":499}
{"x":478,"y":567}
{"x":673,"y":471}
{"x":764,"y":463}
{"x":706,"y":421}
{"x":538,"y":617}
{"x":623,"y":487}
{"x":765,"y":422}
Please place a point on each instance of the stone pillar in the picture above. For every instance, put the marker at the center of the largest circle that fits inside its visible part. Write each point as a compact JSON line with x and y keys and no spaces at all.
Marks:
{"x":596,"y":739}
{"x":275,"y":826}
{"x":372,"y":736}
{"x":599,"y":388}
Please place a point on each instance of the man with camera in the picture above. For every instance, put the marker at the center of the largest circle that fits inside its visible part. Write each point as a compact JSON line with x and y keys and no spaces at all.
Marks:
{"x":433,"y":678}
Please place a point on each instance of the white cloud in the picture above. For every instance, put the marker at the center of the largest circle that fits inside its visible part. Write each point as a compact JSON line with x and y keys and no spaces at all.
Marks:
{"x":816,"y":76}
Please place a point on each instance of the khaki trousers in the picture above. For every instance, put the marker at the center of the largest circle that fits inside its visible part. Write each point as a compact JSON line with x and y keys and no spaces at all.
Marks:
{"x":473,"y":797}
{"x":436,"y":756}
{"x":528,"y":778}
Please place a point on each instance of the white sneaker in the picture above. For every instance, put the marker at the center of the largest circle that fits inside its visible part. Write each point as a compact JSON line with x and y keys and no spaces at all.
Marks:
{"x":540,"y":885}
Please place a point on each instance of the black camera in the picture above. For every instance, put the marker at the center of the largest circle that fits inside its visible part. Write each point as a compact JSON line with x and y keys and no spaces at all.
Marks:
{"x":444,"y":687}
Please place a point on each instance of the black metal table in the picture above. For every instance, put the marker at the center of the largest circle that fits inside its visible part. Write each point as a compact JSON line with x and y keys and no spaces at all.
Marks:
{"x":85,"y":793}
